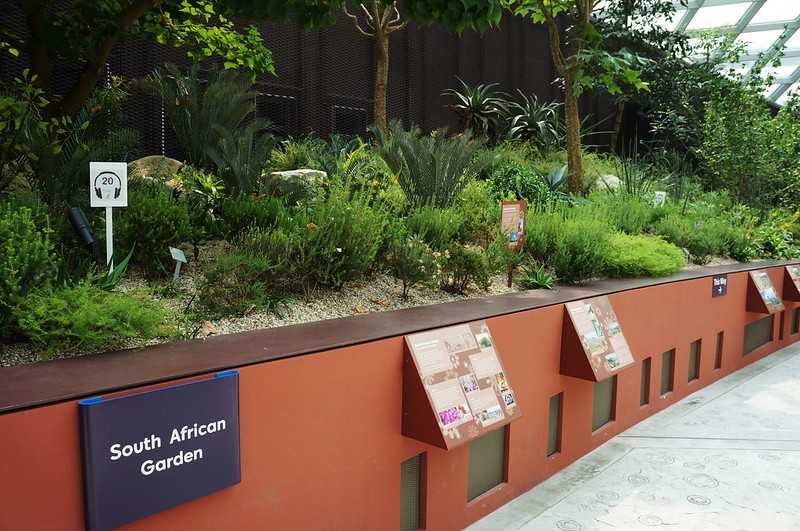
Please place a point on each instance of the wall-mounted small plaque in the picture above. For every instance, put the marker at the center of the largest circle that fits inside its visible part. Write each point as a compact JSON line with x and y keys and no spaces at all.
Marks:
{"x":761,"y":294}
{"x":791,"y":283}
{"x":455,"y":388}
{"x":719,"y":285}
{"x":593,"y":346}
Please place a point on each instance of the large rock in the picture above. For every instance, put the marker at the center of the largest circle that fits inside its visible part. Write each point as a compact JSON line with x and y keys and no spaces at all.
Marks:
{"x":295,"y":184}
{"x":155,"y":169}
{"x":611,"y":182}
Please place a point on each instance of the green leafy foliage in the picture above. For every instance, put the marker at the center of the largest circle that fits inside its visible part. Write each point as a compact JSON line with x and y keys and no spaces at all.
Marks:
{"x":153,"y":221}
{"x":237,"y":284}
{"x":538,"y":123}
{"x":626,"y":212}
{"x":479,"y":210}
{"x":432,"y":169}
{"x":413,"y":262}
{"x":240,"y":156}
{"x":520,"y":181}
{"x":26,"y":259}
{"x":86,"y":317}
{"x":639,"y":255}
{"x":482,"y":108}
{"x":238,"y":213}
{"x":437,"y":227}
{"x":464,"y":266}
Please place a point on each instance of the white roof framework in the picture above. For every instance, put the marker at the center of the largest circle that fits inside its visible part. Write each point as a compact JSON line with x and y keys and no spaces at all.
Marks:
{"x":764,"y":26}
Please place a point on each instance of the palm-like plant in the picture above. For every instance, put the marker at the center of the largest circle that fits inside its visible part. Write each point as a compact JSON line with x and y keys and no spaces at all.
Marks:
{"x":482,"y":108}
{"x":431,"y":169}
{"x":202,"y":112}
{"x":537,"y":122}
{"x":241,"y":156}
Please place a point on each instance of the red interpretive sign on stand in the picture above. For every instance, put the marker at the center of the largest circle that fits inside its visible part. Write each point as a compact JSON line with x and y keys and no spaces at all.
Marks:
{"x":454,"y":386}
{"x":593,"y":346}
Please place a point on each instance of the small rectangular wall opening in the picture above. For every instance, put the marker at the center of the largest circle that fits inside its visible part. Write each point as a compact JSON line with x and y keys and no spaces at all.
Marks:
{"x":758,"y":333}
{"x":718,"y":352}
{"x":604,"y":403}
{"x":554,"y":424}
{"x":781,"y":324}
{"x":795,"y":320}
{"x":487,"y":462}
{"x":694,"y":360}
{"x":667,"y":372}
{"x":411,"y":489}
{"x":644,"y":392}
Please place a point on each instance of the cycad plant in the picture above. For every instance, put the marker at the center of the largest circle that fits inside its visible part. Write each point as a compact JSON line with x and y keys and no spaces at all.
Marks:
{"x":202,"y":112}
{"x":431,"y":169}
{"x":482,"y":108}
{"x":240,"y":157}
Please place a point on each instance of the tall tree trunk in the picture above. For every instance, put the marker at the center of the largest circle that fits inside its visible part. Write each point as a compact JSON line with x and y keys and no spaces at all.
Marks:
{"x":573,"y":122}
{"x":381,"y":79}
{"x":41,"y":67}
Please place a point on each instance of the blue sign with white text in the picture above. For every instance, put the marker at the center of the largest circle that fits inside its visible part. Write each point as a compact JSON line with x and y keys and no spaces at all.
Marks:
{"x":146,"y":452}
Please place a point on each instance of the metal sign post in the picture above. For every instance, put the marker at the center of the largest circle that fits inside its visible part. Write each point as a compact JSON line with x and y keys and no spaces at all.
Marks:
{"x":108,"y":187}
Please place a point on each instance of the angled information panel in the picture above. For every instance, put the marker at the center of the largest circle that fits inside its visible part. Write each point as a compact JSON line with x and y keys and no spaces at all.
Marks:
{"x":454,"y":386}
{"x":593,"y":346}
{"x":146,"y":452}
{"x":761,"y":294}
{"x":791,"y":283}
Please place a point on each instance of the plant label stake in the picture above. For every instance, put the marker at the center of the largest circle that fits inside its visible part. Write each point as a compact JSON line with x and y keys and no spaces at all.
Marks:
{"x":659,"y":198}
{"x":512,"y":224}
{"x":180,"y":259}
{"x":108,"y":188}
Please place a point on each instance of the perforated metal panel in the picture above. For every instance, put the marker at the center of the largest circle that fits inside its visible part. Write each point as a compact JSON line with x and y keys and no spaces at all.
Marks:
{"x":644,"y":391}
{"x":758,"y":333}
{"x":410,"y":489}
{"x":604,"y":402}
{"x":667,"y":371}
{"x":487,"y":463}
{"x":554,"y":424}
{"x":694,"y":360}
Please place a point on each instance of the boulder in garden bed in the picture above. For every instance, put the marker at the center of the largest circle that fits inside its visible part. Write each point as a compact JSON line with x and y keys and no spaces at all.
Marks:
{"x":296,"y":184}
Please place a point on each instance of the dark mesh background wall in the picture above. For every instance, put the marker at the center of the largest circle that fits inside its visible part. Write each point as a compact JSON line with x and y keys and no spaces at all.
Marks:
{"x":324,"y":77}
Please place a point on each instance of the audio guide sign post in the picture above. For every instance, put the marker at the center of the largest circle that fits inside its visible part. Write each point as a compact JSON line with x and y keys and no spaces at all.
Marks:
{"x":108,"y":187}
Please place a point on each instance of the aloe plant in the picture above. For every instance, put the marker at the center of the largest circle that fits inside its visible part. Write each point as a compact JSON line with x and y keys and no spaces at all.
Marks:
{"x":482,"y":108}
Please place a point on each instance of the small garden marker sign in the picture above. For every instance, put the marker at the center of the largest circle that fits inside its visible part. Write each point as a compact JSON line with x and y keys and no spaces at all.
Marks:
{"x":108,"y":187}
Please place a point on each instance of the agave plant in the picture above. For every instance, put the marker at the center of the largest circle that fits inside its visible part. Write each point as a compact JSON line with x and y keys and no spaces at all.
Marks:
{"x":482,"y":108}
{"x":537,"y":122}
{"x":431,"y":169}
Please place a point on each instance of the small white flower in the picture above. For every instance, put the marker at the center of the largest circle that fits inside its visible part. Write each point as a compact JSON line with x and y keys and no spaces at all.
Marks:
{"x":338,"y":249}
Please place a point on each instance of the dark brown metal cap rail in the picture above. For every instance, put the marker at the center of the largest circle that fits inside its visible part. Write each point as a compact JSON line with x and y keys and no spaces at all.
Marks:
{"x":49,"y":382}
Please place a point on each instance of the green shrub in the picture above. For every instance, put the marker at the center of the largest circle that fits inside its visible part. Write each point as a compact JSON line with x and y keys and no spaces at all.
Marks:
{"x":413,"y":262}
{"x":626,"y":212}
{"x":431,"y":169}
{"x":640,"y":256}
{"x":465,"y":265}
{"x":238,"y":213}
{"x":774,"y":236}
{"x":237,"y":285}
{"x":520,"y":181}
{"x":309,"y":153}
{"x":337,"y":239}
{"x":701,"y":238}
{"x":86,"y":317}
{"x":275,"y":247}
{"x":438,"y":227}
{"x":26,"y":258}
{"x":571,"y":242}
{"x":153,"y":221}
{"x":480,"y":211}
{"x":241,"y":155}
{"x":535,"y":276}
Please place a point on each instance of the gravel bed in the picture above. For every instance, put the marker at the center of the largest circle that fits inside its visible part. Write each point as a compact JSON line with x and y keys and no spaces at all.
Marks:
{"x":379,"y":293}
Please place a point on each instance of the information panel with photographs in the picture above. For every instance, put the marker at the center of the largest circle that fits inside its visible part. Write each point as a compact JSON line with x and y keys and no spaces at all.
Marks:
{"x":791,"y":283}
{"x":454,"y":386}
{"x":512,"y":222}
{"x":593,"y":346}
{"x":762,"y":296}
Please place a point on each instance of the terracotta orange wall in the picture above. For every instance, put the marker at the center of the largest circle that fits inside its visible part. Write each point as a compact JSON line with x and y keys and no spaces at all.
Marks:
{"x":320,"y":434}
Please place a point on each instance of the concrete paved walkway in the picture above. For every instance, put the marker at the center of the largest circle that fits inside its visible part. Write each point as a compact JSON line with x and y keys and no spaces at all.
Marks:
{"x":725,"y":458}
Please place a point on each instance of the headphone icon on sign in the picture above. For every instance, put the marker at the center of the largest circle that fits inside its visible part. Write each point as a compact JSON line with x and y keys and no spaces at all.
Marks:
{"x":106,"y":184}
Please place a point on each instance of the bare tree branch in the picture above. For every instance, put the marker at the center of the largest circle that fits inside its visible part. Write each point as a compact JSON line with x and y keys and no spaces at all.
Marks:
{"x":355,"y":21}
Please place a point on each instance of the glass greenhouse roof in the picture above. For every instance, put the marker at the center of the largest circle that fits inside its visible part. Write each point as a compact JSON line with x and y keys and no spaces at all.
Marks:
{"x":763,"y":26}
